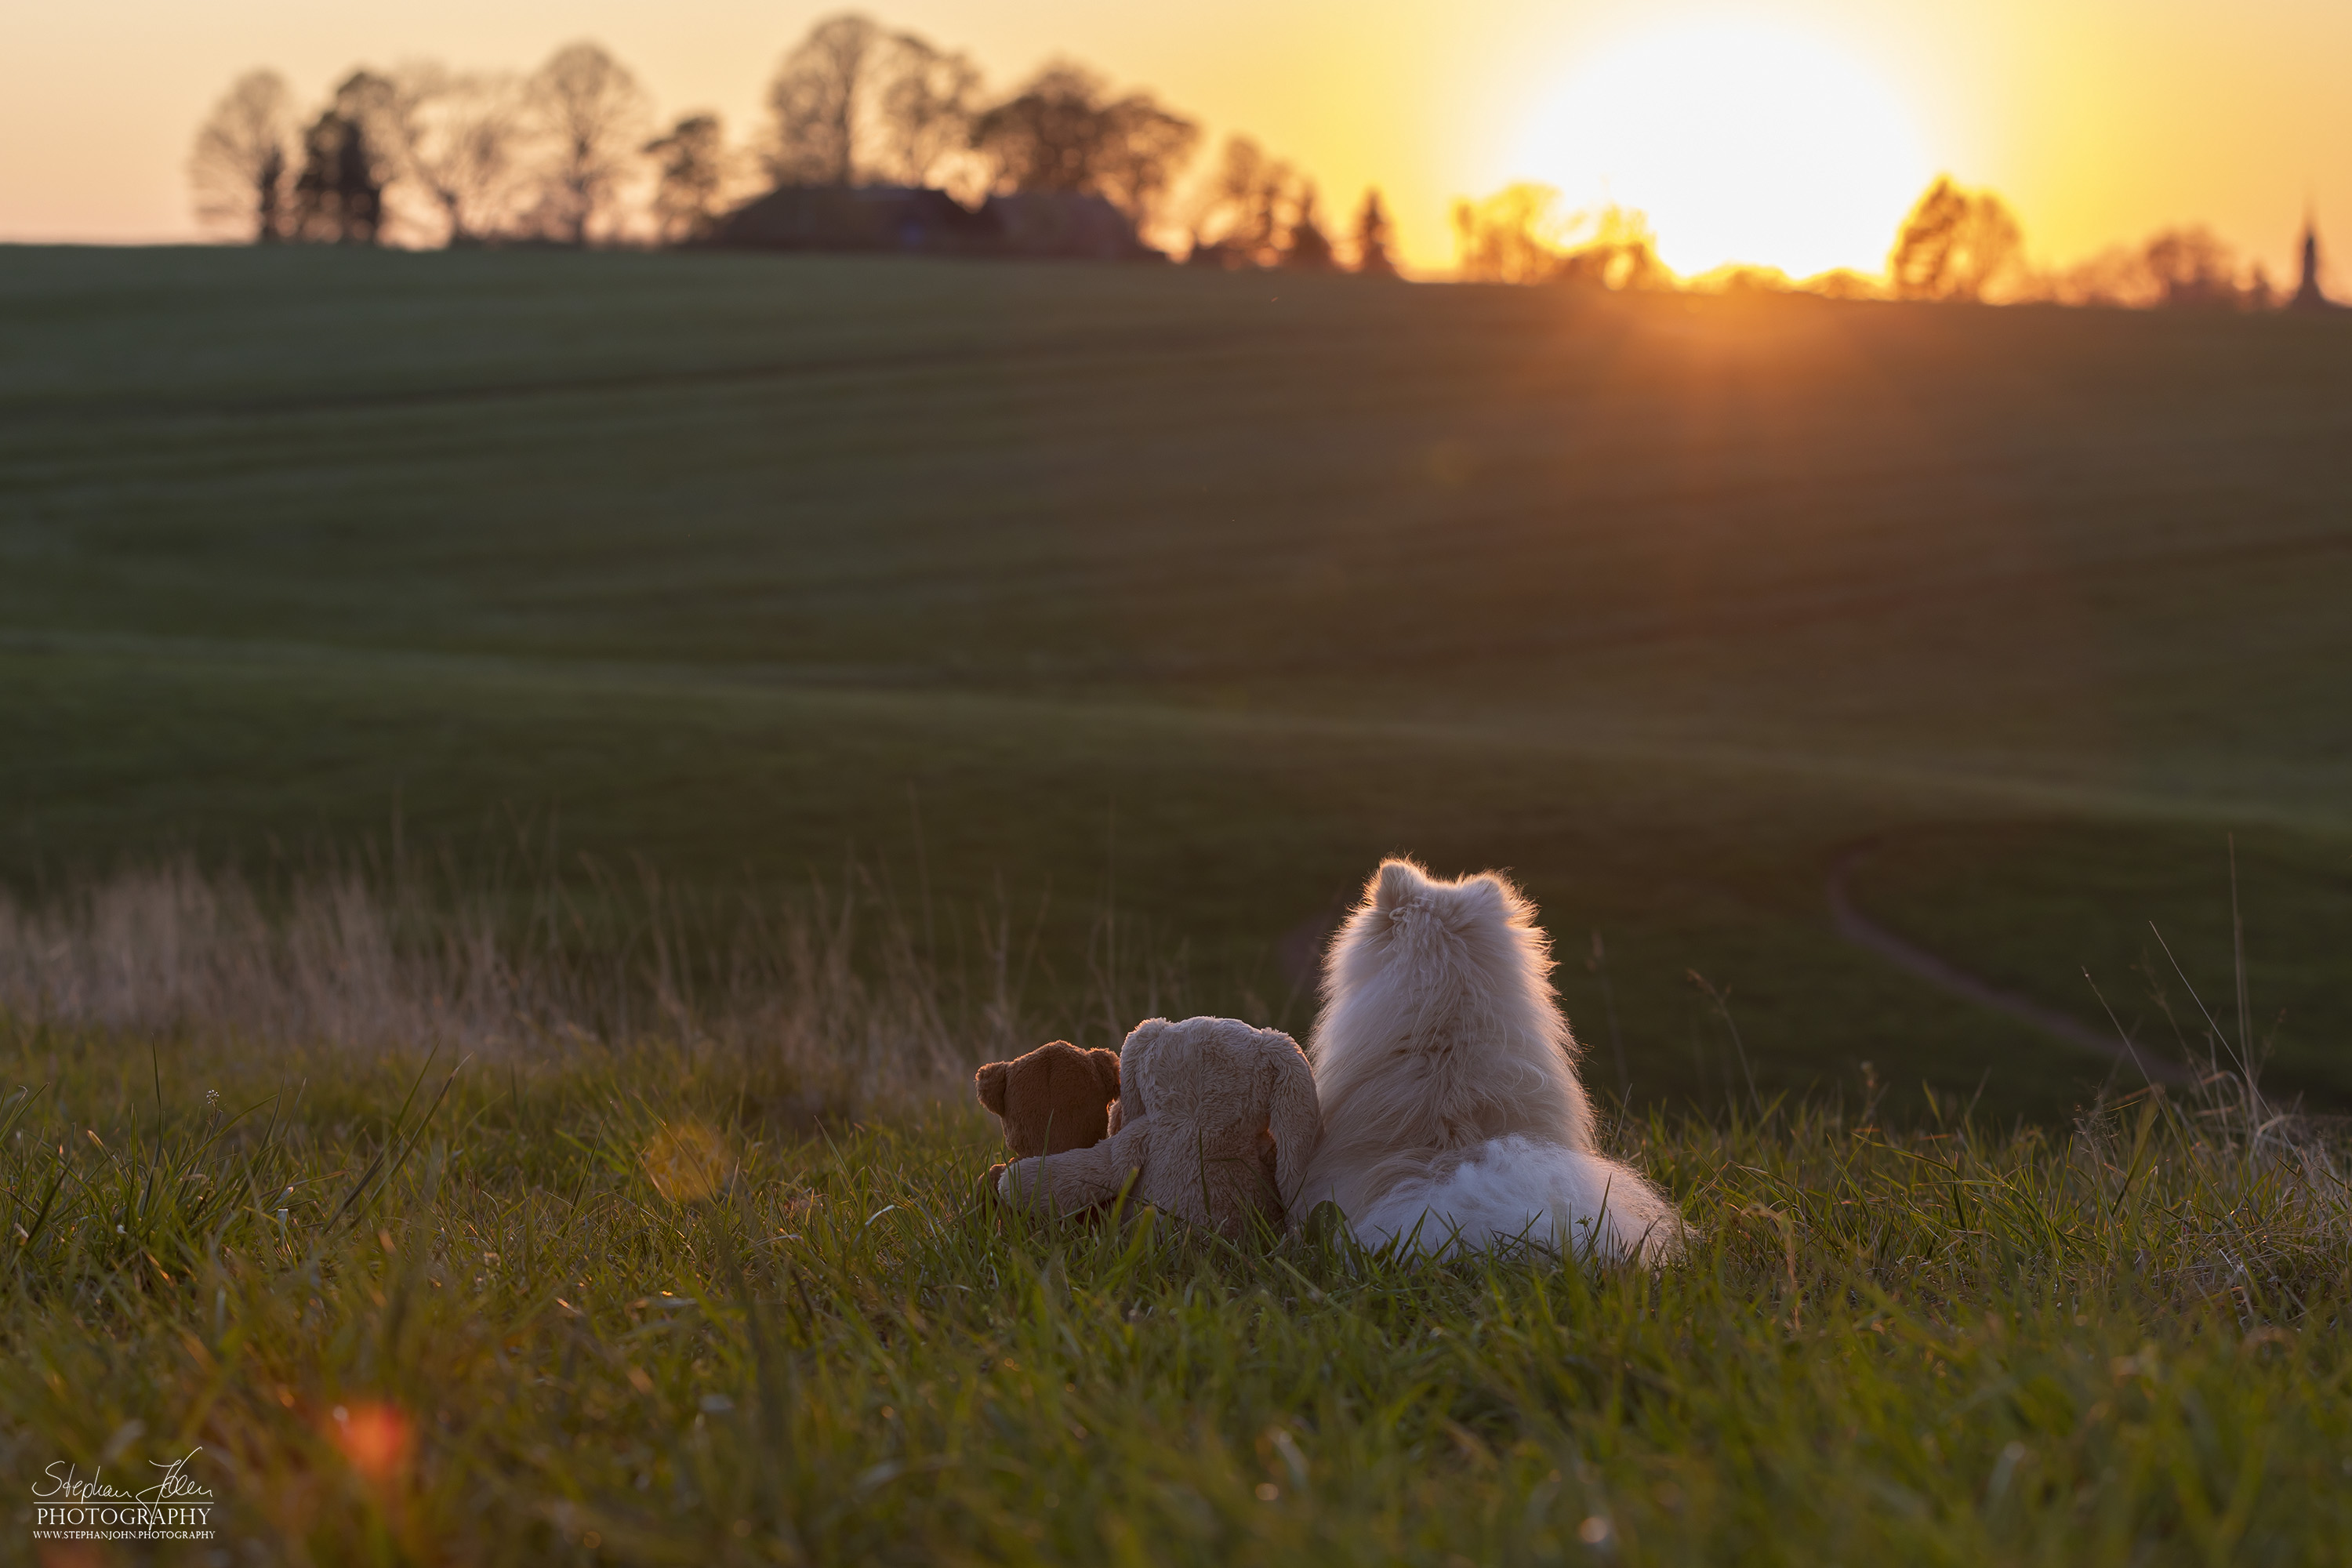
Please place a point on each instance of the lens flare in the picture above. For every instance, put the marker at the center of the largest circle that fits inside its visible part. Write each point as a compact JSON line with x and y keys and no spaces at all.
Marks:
{"x":376,"y":1438}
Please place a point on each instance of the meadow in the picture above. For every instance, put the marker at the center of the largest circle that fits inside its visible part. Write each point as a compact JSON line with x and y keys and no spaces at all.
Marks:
{"x":619,"y":1307}
{"x":718,"y":699}
{"x":1184,"y":597}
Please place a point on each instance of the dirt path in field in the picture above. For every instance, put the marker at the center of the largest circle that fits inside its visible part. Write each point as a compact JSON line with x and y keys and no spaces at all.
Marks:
{"x":1863,"y":932}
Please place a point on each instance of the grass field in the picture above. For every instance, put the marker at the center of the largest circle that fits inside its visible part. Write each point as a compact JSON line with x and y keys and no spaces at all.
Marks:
{"x":719,"y":698}
{"x":612,"y":1311}
{"x":1185,"y":597}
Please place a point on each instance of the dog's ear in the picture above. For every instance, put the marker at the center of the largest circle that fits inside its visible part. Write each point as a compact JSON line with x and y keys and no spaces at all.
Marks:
{"x":989,"y":1084}
{"x":1394,"y":882}
{"x":1493,"y":891}
{"x":1104,"y":1064}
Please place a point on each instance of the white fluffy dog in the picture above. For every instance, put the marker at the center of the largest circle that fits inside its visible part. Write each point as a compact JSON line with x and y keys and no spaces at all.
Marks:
{"x":1452,"y":1115}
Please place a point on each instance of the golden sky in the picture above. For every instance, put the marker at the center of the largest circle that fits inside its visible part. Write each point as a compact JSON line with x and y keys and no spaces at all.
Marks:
{"x":2100,"y":119}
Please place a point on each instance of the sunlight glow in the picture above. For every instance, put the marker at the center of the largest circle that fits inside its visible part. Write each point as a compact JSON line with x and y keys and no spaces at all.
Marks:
{"x":1743,"y":143}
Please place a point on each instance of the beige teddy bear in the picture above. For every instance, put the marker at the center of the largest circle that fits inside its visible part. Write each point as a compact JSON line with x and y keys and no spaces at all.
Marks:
{"x":1215,"y":1118}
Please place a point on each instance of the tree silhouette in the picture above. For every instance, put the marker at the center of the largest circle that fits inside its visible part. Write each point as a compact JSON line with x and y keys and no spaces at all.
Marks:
{"x":339,"y":195}
{"x":1371,"y":238}
{"x":459,"y":144}
{"x":1614,"y":250}
{"x":1954,"y":245}
{"x":821,"y":97}
{"x":855,"y":102}
{"x":240,"y":162}
{"x":1242,"y":215}
{"x":1521,"y":235}
{"x":2175,"y":268}
{"x":691,"y":178}
{"x":592,"y":116}
{"x":1063,"y":132}
{"x":2192,"y":269}
{"x":927,"y":101}
{"x":1257,"y":211}
{"x":1305,"y":246}
{"x":1842,"y":283}
{"x":1515,"y":235}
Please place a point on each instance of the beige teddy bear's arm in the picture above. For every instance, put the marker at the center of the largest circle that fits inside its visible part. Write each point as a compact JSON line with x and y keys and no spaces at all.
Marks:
{"x":1078,"y":1178}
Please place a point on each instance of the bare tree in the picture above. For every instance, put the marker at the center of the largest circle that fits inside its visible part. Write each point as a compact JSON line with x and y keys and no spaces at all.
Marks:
{"x":1063,"y":132}
{"x":690,"y":178}
{"x":855,"y":102}
{"x":2194,"y":269}
{"x":1248,"y":209}
{"x":1955,"y":244}
{"x":929,"y":98}
{"x":822,"y":97}
{"x":2177,"y":269}
{"x":1373,"y":237}
{"x":1614,"y":248}
{"x":457,"y":138}
{"x":1516,"y":236}
{"x":1521,"y":235}
{"x":241,"y":161}
{"x":593,"y":118}
{"x":2116,"y":276}
{"x":1236,"y":196}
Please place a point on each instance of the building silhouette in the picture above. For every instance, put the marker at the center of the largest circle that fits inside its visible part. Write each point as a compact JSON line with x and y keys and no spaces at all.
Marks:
{"x":908,"y":218}
{"x":2308,"y":295}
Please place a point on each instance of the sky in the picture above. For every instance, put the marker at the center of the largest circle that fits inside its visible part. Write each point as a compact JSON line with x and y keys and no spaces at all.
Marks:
{"x":1781,"y":132}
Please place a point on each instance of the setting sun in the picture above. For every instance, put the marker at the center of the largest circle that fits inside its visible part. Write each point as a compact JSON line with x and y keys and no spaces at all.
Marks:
{"x":1742,"y":144}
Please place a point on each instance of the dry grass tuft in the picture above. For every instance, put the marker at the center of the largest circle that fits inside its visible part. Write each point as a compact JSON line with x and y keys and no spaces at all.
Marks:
{"x":830,"y":984}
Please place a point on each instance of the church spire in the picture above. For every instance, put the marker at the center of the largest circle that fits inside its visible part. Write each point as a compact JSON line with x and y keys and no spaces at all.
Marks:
{"x":2308,"y":295}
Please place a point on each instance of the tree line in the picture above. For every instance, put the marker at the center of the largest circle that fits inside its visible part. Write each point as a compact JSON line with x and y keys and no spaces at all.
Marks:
{"x":570,"y":154}
{"x":1955,"y":245}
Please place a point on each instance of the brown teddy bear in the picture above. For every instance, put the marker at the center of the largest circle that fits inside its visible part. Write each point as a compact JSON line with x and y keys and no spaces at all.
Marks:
{"x":1200,"y":1102}
{"x":1053,"y":1100}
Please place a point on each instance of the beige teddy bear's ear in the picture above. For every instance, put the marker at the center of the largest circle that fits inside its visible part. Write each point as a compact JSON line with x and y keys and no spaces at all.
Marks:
{"x":989,"y":1084}
{"x":1106,"y":1067}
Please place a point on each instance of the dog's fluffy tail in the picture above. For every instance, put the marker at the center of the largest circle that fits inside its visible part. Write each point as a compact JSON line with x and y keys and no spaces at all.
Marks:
{"x":1515,"y":1189}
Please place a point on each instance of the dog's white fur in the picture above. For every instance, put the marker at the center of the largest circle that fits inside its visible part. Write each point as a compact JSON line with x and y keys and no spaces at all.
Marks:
{"x":1452,"y":1114}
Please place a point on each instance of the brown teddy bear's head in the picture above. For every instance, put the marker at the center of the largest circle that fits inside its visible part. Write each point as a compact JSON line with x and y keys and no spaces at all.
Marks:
{"x":1056,"y":1098}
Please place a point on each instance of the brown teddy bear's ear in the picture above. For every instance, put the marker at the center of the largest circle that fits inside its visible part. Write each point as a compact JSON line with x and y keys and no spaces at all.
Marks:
{"x":989,"y":1084}
{"x":1106,"y":1067}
